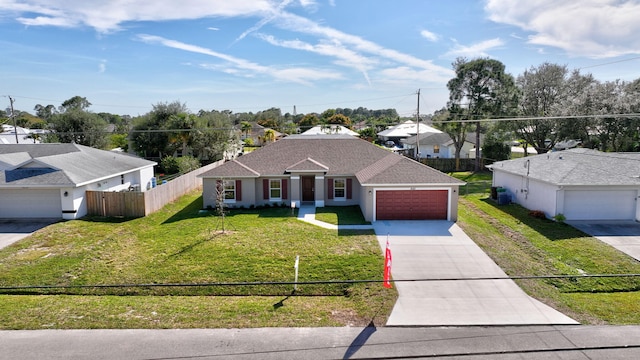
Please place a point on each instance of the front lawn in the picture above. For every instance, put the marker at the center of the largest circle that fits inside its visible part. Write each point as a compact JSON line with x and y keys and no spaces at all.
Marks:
{"x":526,"y":246}
{"x":183,"y":245}
{"x":341,"y":215}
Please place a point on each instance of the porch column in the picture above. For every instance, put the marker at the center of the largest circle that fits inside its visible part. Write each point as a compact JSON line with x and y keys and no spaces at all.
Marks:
{"x":319,"y":193}
{"x":295,"y":190}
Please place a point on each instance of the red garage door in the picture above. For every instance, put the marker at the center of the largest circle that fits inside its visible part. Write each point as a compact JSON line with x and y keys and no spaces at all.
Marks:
{"x":411,"y":205}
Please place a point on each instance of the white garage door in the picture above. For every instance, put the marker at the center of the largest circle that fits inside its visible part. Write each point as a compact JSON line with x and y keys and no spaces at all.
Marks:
{"x":20,"y":203}
{"x":600,"y":205}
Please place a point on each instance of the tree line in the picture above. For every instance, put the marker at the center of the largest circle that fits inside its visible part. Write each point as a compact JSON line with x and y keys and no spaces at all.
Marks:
{"x":550,"y":103}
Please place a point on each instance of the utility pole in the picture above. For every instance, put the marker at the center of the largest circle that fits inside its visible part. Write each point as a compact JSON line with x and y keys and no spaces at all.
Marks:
{"x":15,"y":127}
{"x":418,"y":129}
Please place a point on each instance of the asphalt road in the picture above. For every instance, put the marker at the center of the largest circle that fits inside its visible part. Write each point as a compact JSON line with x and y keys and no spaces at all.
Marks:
{"x":532,"y":342}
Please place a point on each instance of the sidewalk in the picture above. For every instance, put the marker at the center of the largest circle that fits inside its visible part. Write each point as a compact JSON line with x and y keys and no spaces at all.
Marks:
{"x":307,"y":213}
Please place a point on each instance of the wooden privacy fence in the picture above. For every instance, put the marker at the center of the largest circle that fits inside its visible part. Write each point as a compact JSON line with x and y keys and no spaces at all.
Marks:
{"x":139,"y":204}
{"x":449,"y":165}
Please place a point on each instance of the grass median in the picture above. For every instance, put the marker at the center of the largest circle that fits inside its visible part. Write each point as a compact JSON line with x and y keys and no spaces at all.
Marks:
{"x":182,"y":244}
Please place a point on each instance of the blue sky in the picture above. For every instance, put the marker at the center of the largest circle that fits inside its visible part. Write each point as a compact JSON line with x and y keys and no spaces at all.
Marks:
{"x":250,"y":55}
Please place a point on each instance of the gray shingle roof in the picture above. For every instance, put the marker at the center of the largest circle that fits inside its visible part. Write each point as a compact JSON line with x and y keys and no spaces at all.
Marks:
{"x":577,"y":167}
{"x":74,"y":164}
{"x":342,"y":155}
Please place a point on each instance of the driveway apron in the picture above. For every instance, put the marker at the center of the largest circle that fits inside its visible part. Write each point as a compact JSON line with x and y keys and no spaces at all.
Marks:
{"x":437,"y":251}
{"x":15,"y":230}
{"x":622,"y":235}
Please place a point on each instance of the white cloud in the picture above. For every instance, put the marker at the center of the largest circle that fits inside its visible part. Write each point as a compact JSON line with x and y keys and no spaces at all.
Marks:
{"x":474,"y":50}
{"x":241,"y":66}
{"x":303,"y":25}
{"x":213,"y":28}
{"x":107,"y":16}
{"x":344,"y":56}
{"x":102,"y":67}
{"x":429,"y":35}
{"x":591,"y":28}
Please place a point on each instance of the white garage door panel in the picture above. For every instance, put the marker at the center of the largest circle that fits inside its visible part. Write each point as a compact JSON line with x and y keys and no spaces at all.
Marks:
{"x":30,"y":204}
{"x":600,"y":205}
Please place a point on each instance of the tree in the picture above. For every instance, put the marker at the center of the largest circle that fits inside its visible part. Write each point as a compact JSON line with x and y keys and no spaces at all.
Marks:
{"x":148,"y":137}
{"x":450,"y":122}
{"x":308,"y":121}
{"x":80,"y":127}
{"x":339,"y":119}
{"x":542,"y":89}
{"x":483,"y":89}
{"x":269,"y":136}
{"x":245,"y":127}
{"x":44,"y":112}
{"x":496,"y":145}
{"x":75,"y":103}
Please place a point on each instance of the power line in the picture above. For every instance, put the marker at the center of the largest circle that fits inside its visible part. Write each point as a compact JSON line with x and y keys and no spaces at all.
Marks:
{"x":315,"y":282}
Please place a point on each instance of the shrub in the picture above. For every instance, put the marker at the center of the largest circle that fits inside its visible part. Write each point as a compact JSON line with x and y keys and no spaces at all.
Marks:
{"x":169,"y":164}
{"x":187,"y":164}
{"x":538,"y":214}
{"x":560,"y":218}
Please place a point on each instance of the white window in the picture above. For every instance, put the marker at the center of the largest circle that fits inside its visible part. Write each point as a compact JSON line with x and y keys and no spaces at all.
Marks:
{"x":275,"y":189}
{"x":436,"y":149}
{"x":229,"y":191}
{"x":339,"y":189}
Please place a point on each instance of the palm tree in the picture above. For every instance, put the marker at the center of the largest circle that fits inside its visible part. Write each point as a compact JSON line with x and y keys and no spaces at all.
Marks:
{"x":246,"y":128}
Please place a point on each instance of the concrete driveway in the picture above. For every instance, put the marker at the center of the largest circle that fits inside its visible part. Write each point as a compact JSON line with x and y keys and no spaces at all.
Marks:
{"x":14,"y":230}
{"x":622,"y":235}
{"x":441,"y":253}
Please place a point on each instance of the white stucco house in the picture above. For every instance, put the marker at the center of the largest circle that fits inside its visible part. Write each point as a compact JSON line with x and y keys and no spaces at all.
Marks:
{"x":332,"y":129}
{"x":334,"y":170}
{"x":405,"y":130}
{"x":436,"y":145}
{"x":50,"y":180}
{"x":581,"y":184}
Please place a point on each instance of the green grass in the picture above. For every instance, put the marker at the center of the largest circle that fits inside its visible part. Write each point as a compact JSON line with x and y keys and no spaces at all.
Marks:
{"x":523,"y":245}
{"x":181,"y":244}
{"x":341,"y":215}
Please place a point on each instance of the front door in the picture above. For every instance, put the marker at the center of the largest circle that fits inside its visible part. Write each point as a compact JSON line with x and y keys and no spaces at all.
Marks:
{"x":308,"y":188}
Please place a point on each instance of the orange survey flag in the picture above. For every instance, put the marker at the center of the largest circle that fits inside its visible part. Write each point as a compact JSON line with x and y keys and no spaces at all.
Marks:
{"x":387,"y":267}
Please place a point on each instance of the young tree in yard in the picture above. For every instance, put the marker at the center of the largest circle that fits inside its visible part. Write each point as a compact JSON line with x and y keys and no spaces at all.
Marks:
{"x":481,"y":89}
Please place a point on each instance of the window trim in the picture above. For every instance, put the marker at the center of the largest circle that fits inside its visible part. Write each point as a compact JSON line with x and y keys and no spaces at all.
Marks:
{"x":343,"y":188}
{"x":271,"y":189}
{"x":224,"y":190}
{"x":436,"y":149}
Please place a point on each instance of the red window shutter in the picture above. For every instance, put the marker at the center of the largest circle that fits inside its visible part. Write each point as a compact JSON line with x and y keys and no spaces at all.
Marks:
{"x":284,"y":189}
{"x":265,"y":189}
{"x":349,"y":183}
{"x":238,"y":190}
{"x":330,"y":188}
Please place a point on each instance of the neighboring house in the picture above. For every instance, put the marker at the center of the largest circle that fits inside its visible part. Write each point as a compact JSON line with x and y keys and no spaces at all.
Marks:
{"x":405,"y":130}
{"x":24,"y":136}
{"x":435,"y":145}
{"x":581,"y":184}
{"x":50,"y":180}
{"x":334,"y":170}
{"x":257,"y":134}
{"x":330,"y":130}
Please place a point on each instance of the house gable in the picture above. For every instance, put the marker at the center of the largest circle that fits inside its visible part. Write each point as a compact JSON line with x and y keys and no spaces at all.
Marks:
{"x":307,"y":165}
